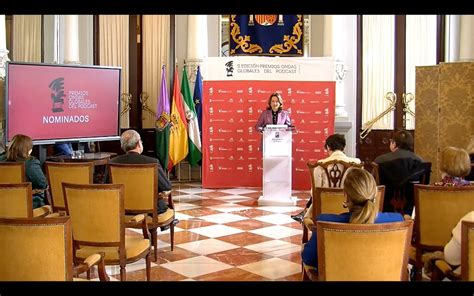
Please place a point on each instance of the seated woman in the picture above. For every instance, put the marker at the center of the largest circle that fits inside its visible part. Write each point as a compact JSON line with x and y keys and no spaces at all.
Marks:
{"x":360,"y":190}
{"x":19,"y":151}
{"x":454,"y":166}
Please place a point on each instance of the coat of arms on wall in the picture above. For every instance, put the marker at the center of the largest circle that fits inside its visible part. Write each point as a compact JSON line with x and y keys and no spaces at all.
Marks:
{"x":266,"y":34}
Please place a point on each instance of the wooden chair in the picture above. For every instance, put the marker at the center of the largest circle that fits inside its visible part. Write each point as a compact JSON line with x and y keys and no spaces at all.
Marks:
{"x":98,"y":224}
{"x":69,"y":172}
{"x":16,"y":202}
{"x":141,"y":195}
{"x":362,"y":252}
{"x":12,"y":172}
{"x":437,"y":211}
{"x":443,"y":269}
{"x":333,"y":173}
{"x":41,"y":250}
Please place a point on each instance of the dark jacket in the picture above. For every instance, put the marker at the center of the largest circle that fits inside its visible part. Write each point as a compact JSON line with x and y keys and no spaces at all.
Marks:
{"x":398,"y":174}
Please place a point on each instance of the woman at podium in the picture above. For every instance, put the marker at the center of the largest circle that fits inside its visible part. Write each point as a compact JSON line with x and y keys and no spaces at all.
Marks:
{"x":274,"y":114}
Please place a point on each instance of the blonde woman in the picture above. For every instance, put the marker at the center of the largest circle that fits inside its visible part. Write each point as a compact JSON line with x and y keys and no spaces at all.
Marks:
{"x":360,"y":191}
{"x":454,"y":166}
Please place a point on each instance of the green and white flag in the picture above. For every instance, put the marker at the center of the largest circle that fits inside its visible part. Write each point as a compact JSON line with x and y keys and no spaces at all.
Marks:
{"x":192,"y":121}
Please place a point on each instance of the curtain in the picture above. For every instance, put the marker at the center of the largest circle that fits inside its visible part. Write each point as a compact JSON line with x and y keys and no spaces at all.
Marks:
{"x":378,"y":68}
{"x":156,"y":53}
{"x":26,"y":38}
{"x":113,"y":51}
{"x":420,"y":51}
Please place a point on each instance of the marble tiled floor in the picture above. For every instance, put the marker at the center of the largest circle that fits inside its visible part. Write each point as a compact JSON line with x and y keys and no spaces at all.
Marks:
{"x":223,"y":235}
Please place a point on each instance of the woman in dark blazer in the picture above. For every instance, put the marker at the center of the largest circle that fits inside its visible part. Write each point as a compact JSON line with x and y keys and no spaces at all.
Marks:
{"x":274,"y":114}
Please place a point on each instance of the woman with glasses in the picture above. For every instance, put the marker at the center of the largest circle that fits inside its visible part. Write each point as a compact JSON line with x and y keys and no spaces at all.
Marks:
{"x":360,"y":191}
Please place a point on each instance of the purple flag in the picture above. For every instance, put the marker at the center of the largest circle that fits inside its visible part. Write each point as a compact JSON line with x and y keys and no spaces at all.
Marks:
{"x":162,"y":122}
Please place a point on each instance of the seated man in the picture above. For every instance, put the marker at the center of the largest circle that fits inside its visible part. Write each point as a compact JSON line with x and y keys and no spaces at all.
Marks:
{"x":398,"y":169}
{"x":131,"y":143}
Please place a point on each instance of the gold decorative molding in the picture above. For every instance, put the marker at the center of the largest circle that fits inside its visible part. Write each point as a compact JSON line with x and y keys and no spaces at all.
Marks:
{"x":242,"y":41}
{"x":126,"y":103}
{"x":290,"y":41}
{"x":143,"y":100}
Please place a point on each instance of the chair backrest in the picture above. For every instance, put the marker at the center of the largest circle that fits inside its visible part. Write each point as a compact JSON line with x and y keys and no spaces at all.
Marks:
{"x":437,"y":211}
{"x":97,"y":214}
{"x":69,"y":172}
{"x":16,"y":200}
{"x":334,"y":171}
{"x":363,"y":252}
{"x":12,"y":172}
{"x":36,"y":249}
{"x":141,"y":185}
{"x":467,"y":251}
{"x":329,"y":200}
{"x":375,"y":171}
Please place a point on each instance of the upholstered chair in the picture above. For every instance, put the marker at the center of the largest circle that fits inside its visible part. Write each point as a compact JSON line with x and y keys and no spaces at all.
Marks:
{"x":333,"y":174}
{"x":16,"y":202}
{"x":98,"y":225}
{"x":41,"y":250}
{"x":329,"y":201}
{"x":362,"y":252}
{"x":141,"y":196}
{"x":69,"y":172}
{"x":12,"y":172}
{"x":437,"y":211}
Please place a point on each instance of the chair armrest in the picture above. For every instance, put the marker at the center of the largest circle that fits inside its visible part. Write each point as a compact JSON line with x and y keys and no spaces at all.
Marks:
{"x":446,"y":270}
{"x":94,"y":259}
{"x":308,"y":223}
{"x":138,"y":218}
{"x":139,"y":221}
{"x":55,"y":215}
{"x":170,"y":201}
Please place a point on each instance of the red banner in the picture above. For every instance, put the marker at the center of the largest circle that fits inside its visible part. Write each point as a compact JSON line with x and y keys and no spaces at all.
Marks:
{"x":232,"y":155}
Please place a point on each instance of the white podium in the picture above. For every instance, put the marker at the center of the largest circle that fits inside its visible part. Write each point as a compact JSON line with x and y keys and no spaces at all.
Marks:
{"x":277,"y":167}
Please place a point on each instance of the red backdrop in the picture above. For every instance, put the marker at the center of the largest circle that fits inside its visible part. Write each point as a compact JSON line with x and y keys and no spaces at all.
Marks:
{"x":232,"y":155}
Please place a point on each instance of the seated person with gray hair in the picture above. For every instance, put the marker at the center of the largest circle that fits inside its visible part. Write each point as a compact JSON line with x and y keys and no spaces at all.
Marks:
{"x":131,"y":143}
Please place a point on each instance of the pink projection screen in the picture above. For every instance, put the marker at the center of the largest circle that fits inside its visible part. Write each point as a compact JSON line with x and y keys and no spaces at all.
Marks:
{"x":55,"y":103}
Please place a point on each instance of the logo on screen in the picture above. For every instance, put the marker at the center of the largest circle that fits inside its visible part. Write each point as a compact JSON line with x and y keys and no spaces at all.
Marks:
{"x":57,"y":95}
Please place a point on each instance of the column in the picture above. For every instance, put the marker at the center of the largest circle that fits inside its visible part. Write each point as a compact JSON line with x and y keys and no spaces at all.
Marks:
{"x":3,"y":47}
{"x":466,"y":47}
{"x":341,"y":69}
{"x":197,"y":48}
{"x":452,"y":38}
{"x":3,"y":60}
{"x":71,"y":39}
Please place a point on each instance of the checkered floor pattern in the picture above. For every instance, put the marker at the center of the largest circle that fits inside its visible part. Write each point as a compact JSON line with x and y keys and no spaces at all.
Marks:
{"x":224,"y":235}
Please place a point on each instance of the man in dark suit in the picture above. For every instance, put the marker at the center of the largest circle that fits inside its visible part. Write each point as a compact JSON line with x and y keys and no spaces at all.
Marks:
{"x":398,"y":169}
{"x":131,"y":143}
